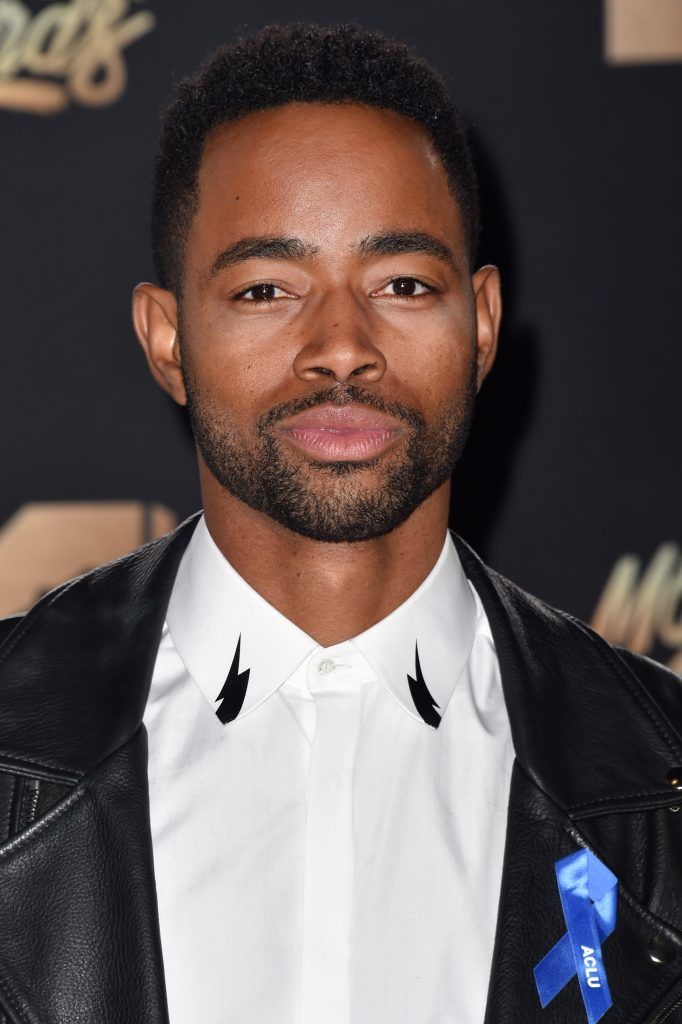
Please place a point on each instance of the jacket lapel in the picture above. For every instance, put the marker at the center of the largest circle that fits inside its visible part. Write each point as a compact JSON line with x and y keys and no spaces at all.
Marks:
{"x":592,"y":753}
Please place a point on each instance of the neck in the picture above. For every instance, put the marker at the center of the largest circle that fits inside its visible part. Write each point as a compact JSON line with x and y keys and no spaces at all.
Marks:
{"x":332,"y":592}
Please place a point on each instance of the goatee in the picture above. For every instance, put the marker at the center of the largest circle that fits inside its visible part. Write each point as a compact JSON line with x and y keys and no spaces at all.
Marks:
{"x":333,"y":502}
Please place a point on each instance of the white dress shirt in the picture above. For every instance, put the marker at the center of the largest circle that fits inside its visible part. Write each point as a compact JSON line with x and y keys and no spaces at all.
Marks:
{"x":332,"y":851}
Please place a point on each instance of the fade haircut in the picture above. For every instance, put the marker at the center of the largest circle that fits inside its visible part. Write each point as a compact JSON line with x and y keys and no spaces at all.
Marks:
{"x":297,"y":63}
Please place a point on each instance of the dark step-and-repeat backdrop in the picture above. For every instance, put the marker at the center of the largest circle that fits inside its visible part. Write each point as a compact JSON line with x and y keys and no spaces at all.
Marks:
{"x":571,"y":484}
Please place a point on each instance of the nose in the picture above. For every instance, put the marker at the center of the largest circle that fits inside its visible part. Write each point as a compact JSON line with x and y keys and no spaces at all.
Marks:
{"x":339,"y":343}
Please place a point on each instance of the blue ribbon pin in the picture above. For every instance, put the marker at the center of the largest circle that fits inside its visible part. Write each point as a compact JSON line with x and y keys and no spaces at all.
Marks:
{"x":589,"y":895}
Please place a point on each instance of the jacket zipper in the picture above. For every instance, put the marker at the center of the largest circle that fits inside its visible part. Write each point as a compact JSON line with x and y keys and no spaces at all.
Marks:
{"x":24,"y":805}
{"x":669,"y":1009}
{"x":33,"y":801}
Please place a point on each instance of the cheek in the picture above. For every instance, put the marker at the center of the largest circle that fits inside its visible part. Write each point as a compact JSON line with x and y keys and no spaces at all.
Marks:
{"x":455,"y":353}
{"x":237,"y":363}
{"x":434,"y":367}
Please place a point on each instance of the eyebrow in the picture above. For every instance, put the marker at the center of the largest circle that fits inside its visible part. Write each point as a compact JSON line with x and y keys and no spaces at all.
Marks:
{"x":262,"y":248}
{"x":393,"y":243}
{"x":397,"y":242}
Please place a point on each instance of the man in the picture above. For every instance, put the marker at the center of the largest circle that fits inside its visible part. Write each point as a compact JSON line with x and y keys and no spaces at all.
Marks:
{"x":383,"y":784}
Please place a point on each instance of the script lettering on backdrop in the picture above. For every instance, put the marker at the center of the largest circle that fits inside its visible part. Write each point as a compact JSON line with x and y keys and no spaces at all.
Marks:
{"x":66,"y":52}
{"x":641,"y":607}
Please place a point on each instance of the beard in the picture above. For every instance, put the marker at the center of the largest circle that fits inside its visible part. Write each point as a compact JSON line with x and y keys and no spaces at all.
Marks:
{"x":333,"y":502}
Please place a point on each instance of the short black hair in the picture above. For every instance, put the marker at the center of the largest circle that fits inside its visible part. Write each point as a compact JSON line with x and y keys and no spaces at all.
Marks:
{"x":297,"y":63}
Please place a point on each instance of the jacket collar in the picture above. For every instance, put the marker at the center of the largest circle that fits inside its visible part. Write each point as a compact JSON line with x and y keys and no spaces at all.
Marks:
{"x":584,"y":728}
{"x":75,"y":675}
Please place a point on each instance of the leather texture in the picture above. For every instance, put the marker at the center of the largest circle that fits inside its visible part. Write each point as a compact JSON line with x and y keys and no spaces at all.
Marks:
{"x":596,"y":731}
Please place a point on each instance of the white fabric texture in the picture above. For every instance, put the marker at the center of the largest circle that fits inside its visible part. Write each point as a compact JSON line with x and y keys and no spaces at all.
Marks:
{"x":327,"y":856}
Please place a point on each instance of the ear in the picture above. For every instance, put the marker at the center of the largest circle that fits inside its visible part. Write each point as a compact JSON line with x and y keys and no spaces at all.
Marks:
{"x":155,"y":316}
{"x":488,"y":301}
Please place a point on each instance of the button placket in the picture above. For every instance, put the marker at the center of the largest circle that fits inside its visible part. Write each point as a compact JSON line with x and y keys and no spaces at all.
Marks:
{"x":329,"y":861}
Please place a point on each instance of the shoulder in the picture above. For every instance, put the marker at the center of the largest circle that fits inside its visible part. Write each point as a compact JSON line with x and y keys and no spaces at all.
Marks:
{"x":121,"y":580}
{"x":566,"y":633}
{"x":87,"y":649}
{"x":658,"y":685}
{"x":571,"y":634}
{"x":536,"y":640}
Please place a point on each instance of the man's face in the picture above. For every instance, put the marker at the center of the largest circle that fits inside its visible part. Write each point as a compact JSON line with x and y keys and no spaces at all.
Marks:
{"x":328,"y":323}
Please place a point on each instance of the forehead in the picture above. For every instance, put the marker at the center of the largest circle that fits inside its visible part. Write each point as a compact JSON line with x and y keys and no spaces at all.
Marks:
{"x":331,"y":173}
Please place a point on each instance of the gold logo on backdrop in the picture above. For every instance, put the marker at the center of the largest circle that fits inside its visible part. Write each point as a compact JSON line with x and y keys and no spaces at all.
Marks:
{"x":642,"y":31}
{"x":641,"y":608}
{"x":44,"y":544}
{"x":66,"y":52}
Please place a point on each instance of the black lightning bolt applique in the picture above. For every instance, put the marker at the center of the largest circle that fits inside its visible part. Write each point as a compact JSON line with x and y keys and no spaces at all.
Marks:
{"x":423,"y":701}
{"x":234,"y":690}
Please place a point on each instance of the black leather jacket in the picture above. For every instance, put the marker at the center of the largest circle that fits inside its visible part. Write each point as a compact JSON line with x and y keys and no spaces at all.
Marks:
{"x":597,"y":739}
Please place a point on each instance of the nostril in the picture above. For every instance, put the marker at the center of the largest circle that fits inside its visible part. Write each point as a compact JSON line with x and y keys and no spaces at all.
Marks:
{"x":323,"y":371}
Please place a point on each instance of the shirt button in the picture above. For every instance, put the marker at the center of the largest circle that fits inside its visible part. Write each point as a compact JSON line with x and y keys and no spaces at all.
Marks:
{"x":326,"y":667}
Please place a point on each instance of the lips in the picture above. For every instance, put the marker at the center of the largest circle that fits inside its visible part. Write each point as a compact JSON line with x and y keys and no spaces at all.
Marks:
{"x":341,"y":434}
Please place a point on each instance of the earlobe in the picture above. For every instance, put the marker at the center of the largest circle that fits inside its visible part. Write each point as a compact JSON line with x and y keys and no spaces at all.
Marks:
{"x":488,"y":302}
{"x":155,"y":317}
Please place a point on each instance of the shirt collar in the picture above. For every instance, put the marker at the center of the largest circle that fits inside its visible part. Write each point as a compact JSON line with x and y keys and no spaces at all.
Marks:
{"x":223,"y":629}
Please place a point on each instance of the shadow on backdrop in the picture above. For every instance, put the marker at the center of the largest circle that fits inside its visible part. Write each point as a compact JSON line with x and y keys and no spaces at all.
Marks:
{"x":506,"y":402}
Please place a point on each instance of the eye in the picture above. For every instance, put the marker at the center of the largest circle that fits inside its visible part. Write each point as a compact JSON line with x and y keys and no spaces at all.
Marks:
{"x":405,"y":288}
{"x":264,"y":292}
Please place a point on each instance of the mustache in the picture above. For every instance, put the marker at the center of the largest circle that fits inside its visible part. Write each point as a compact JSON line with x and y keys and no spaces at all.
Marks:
{"x":341,"y":394}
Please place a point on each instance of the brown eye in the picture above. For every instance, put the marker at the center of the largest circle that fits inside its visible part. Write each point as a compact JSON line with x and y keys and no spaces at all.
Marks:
{"x":260,"y":293}
{"x":406,"y":288}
